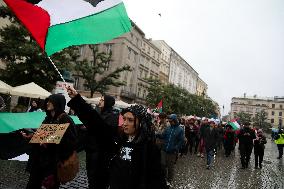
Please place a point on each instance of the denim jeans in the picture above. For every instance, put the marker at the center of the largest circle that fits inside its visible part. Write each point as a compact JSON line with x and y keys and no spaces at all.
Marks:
{"x":210,"y":156}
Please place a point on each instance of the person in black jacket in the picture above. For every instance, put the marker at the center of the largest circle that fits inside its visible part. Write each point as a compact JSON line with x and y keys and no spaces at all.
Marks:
{"x":210,"y":140}
{"x":44,"y":158}
{"x":134,"y":159}
{"x":246,"y":136}
{"x":229,"y":140}
{"x":259,"y":146}
{"x":96,"y":161}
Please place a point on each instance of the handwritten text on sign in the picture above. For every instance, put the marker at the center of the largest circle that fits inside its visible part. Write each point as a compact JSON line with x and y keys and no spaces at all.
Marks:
{"x":49,"y":133}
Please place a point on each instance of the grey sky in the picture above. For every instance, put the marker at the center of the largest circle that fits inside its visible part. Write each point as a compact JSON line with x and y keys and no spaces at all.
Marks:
{"x":236,"y":46}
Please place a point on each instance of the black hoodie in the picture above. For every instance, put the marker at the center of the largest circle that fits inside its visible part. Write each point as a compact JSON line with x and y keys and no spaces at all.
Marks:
{"x":44,"y":158}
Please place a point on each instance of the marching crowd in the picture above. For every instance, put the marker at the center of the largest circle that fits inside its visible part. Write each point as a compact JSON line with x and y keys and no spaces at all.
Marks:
{"x":140,"y":154}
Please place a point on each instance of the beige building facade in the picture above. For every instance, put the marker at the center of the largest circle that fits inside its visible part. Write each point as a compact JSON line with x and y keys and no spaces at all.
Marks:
{"x":182,"y":74}
{"x":131,"y":49}
{"x":201,"y":87}
{"x":165,"y":56}
{"x":273,"y":106}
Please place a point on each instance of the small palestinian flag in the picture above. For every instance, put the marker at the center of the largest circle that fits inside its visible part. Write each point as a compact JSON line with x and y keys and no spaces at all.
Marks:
{"x":57,"y":24}
{"x":160,"y":107}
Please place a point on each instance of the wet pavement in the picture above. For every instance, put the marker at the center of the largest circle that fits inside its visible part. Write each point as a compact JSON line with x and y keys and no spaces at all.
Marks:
{"x":191,"y":173}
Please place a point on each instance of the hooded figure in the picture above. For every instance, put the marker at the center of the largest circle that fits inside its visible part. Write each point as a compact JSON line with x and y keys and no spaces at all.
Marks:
{"x":44,"y":158}
{"x":97,"y":156}
{"x":133,"y":159}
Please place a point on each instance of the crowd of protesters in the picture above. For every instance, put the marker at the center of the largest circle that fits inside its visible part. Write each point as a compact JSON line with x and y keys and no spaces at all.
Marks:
{"x":143,"y":151}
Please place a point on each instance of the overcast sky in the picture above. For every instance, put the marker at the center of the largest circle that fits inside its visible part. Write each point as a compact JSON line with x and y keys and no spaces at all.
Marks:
{"x":236,"y":46}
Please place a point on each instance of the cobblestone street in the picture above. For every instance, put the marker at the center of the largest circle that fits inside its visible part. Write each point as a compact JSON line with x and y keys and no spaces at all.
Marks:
{"x":191,"y":173}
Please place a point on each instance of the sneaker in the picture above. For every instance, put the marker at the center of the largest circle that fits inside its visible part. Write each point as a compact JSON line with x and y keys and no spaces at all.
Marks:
{"x":198,"y":155}
{"x":260,"y":166}
{"x":202,"y":155}
{"x":208,"y":167}
{"x":279,"y":157}
{"x":169,"y":185}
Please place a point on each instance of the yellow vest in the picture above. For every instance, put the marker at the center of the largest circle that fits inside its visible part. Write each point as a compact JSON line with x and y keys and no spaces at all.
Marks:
{"x":280,"y":140}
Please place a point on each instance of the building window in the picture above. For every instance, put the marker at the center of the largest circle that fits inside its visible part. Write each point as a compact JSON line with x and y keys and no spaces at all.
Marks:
{"x":129,"y":53}
{"x":280,"y":113}
{"x":136,"y":57}
{"x":144,"y":94}
{"x":108,"y":48}
{"x":272,"y":120}
{"x":107,"y":66}
{"x":280,"y":106}
{"x":139,"y":91}
{"x":76,"y":82}
{"x":272,"y":113}
{"x":273,"y":105}
{"x":82,"y":50}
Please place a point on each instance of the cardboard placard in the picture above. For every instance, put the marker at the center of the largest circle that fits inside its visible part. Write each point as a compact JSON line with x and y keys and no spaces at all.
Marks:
{"x":49,"y":133}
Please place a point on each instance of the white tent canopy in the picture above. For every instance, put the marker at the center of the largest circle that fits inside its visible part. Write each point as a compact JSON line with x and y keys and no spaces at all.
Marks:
{"x":5,"y":88}
{"x":31,"y":90}
{"x":93,"y":100}
{"x":121,"y":104}
{"x":118,"y":103}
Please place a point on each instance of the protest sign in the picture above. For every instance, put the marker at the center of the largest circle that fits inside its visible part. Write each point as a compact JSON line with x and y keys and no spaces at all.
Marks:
{"x":49,"y":133}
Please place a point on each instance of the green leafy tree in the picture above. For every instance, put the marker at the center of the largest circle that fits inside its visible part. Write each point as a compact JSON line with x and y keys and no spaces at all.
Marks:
{"x":93,"y":71}
{"x":25,"y":61}
{"x":155,"y":92}
{"x":244,"y":117}
{"x":178,"y":100}
{"x":260,"y":120}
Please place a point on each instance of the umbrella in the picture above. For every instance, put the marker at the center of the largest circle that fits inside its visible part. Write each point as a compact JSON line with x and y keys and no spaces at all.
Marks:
{"x":5,"y":88}
{"x":234,"y":125}
{"x":31,"y":90}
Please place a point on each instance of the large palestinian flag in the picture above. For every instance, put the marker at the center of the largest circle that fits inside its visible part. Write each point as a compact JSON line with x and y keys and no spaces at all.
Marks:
{"x":57,"y":24}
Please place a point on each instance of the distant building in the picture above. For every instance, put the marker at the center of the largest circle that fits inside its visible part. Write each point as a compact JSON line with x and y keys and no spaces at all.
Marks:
{"x":182,"y":74}
{"x":165,"y":59}
{"x":273,"y":106}
{"x":131,"y":49}
{"x":201,"y":87}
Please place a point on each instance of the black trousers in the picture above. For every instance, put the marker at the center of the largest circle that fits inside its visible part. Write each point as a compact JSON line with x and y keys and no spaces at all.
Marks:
{"x":97,"y":170}
{"x":280,"y":149}
{"x":245,"y":152}
{"x":258,"y":157}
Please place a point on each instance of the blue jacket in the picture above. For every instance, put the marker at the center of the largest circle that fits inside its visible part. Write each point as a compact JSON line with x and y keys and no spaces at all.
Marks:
{"x":173,"y":137}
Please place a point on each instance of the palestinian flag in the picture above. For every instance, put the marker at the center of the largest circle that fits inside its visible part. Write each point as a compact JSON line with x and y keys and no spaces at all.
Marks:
{"x":10,"y":122}
{"x":235,"y":125}
{"x":159,"y":107}
{"x":57,"y":24}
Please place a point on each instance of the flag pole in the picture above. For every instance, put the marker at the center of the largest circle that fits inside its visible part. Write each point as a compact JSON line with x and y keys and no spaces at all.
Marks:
{"x":56,"y":69}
